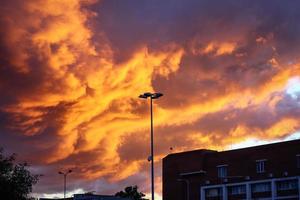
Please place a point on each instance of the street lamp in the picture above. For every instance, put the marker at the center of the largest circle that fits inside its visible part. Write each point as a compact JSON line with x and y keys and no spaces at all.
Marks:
{"x":65,"y":180}
{"x":151,"y":157}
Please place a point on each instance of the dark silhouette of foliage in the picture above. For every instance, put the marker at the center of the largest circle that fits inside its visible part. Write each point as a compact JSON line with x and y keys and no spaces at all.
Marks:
{"x":131,"y":192}
{"x":15,"y":180}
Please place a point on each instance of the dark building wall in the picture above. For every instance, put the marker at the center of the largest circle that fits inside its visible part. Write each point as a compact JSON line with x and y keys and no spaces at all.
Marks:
{"x":180,"y":163}
{"x":280,"y":158}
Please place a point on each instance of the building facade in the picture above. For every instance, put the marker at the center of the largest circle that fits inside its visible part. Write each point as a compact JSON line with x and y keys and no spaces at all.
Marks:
{"x":266,"y":172}
{"x":88,"y":196}
{"x":97,"y":197}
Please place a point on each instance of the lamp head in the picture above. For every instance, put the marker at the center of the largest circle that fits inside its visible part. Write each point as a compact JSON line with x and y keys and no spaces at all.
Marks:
{"x":156,"y":95}
{"x":148,"y":94}
{"x":145,"y":95}
{"x":151,"y":95}
{"x":142,"y":96}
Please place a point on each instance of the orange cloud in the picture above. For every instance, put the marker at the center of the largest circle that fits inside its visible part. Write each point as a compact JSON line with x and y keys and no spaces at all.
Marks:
{"x":72,"y":72}
{"x":214,"y":48}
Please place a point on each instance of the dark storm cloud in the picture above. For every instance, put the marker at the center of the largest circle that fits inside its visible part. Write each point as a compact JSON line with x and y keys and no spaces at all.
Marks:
{"x":69,"y":75}
{"x":217,"y":126}
{"x":157,"y":23}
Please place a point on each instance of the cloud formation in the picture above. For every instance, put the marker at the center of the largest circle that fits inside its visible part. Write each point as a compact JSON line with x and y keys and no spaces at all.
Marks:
{"x":71,"y":71}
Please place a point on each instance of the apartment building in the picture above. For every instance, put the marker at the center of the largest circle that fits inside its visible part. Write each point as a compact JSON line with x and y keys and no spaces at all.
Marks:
{"x":266,"y":172}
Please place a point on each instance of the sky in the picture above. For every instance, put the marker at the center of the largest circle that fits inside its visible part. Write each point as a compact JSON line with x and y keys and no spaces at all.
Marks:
{"x":71,"y":72}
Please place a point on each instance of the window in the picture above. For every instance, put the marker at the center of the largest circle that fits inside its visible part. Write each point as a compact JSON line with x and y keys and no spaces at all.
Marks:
{"x":298,"y":160}
{"x":213,"y":192}
{"x":222,"y":171}
{"x":287,"y":185}
{"x":238,"y":189}
{"x":260,"y":166}
{"x":261,"y":187}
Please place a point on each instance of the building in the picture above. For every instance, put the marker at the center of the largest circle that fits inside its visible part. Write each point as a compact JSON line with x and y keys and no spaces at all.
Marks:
{"x":67,"y":198}
{"x":89,"y":196}
{"x":97,"y":197}
{"x":269,"y":171}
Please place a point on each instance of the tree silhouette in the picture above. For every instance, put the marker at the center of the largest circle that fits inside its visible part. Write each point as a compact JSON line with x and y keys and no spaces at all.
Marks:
{"x":131,"y":192}
{"x":15,"y":180}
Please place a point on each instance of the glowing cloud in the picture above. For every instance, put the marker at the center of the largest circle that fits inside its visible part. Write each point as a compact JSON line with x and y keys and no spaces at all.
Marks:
{"x":71,"y":72}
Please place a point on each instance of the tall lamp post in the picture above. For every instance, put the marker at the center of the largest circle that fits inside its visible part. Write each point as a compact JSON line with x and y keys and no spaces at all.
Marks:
{"x":151,"y":157}
{"x":65,"y":179}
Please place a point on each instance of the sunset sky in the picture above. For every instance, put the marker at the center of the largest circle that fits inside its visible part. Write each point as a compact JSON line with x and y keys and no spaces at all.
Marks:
{"x":71,"y":72}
